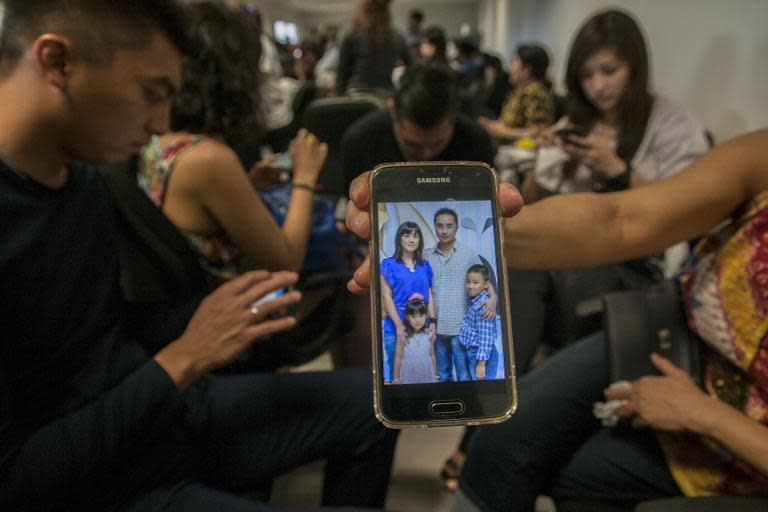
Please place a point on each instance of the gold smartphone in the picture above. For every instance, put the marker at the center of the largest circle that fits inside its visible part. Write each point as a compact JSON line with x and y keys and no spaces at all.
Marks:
{"x":442,"y":337}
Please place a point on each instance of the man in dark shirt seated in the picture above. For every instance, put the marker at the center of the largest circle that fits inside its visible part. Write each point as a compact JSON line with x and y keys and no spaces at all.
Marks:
{"x":89,"y":420}
{"x":421,"y":124}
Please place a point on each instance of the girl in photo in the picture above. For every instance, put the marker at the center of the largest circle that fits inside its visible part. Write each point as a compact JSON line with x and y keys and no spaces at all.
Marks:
{"x":415,"y":356}
{"x":405,"y":273}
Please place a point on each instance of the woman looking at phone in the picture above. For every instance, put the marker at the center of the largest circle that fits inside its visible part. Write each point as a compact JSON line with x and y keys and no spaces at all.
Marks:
{"x":197,"y":180}
{"x":630,"y":136}
{"x":402,"y":275}
{"x":530,"y":106}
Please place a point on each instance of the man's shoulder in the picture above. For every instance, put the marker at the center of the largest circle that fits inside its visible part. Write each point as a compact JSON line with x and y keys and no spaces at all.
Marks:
{"x":470,"y":141}
{"x":373,"y":124}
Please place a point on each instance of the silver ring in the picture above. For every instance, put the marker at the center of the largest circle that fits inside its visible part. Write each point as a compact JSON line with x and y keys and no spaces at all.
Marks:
{"x":254,"y":309}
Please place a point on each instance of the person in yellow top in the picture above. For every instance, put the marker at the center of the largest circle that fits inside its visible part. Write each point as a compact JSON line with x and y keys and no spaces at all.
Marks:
{"x":530,"y":106}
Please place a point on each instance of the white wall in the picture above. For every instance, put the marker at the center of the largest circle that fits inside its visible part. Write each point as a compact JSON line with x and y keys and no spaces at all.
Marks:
{"x":709,"y":55}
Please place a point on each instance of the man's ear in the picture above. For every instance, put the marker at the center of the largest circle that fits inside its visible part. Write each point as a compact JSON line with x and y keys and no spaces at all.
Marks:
{"x":53,"y":55}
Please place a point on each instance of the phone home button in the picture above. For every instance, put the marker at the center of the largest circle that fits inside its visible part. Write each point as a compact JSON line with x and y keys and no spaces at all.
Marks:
{"x":445,"y":407}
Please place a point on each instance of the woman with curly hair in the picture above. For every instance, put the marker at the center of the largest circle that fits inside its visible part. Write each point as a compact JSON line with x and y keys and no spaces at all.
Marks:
{"x":370,"y":52}
{"x":196,"y":178}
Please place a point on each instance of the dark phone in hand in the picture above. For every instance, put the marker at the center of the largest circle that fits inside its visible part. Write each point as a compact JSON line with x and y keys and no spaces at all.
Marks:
{"x":566,"y":135}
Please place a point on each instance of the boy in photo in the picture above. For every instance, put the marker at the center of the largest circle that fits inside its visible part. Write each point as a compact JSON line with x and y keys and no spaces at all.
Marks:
{"x":478,"y":334}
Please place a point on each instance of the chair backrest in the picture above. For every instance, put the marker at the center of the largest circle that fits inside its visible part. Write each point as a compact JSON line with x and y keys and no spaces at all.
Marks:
{"x":327,"y":119}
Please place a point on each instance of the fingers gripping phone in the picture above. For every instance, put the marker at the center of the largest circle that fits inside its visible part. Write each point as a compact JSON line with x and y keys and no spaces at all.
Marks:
{"x":442,"y":353}
{"x":566,"y":135}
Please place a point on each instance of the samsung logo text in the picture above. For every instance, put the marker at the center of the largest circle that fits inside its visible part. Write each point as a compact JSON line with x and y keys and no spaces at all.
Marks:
{"x":442,"y":179}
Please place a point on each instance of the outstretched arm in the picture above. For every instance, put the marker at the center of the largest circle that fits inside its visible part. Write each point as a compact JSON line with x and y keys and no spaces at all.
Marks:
{"x":583,"y":230}
{"x":209,"y":188}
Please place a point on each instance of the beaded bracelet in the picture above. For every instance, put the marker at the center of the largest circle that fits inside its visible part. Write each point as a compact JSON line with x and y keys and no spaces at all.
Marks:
{"x":304,"y":186}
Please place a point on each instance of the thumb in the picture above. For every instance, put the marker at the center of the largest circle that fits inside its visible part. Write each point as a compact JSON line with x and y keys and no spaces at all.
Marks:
{"x":666,"y":367}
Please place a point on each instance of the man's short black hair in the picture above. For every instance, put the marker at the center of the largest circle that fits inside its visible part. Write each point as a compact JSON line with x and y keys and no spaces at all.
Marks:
{"x":427,"y":93}
{"x":99,"y":27}
{"x":446,"y":211}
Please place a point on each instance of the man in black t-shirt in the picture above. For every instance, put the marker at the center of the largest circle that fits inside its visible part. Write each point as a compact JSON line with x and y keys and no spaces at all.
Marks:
{"x":90,"y":418}
{"x":421,"y":124}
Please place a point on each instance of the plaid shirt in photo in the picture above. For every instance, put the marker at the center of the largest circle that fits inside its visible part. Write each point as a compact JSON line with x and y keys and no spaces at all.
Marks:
{"x":476,"y":331}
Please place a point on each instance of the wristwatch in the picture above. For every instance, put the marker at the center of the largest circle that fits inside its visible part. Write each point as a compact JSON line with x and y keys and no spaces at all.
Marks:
{"x":618,"y":182}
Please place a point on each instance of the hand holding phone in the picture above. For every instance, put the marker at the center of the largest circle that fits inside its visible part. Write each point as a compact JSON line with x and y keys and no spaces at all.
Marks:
{"x":273,"y":295}
{"x":420,"y":212}
{"x":566,"y":135}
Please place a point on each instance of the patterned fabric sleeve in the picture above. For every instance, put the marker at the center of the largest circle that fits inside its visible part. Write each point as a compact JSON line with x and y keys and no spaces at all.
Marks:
{"x":539,"y":107}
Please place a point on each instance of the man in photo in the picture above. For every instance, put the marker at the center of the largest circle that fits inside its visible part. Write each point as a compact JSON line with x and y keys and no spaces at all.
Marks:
{"x":450,"y":261}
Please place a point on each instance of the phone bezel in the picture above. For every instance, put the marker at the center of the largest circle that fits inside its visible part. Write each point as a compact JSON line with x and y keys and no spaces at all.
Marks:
{"x":408,"y":405}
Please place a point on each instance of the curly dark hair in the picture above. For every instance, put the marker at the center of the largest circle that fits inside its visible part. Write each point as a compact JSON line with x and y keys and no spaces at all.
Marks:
{"x":221,"y":90}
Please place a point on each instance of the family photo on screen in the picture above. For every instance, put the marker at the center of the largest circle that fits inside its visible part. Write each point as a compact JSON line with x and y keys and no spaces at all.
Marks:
{"x":438,"y":285}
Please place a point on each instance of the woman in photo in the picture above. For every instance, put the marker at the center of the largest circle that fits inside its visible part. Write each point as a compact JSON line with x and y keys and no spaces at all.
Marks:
{"x":405,"y":273}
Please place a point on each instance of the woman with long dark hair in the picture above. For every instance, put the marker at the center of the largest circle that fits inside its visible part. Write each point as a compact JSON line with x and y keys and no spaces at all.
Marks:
{"x":402,"y":275}
{"x":530,"y":106}
{"x":629,"y":136}
{"x":370,"y":52}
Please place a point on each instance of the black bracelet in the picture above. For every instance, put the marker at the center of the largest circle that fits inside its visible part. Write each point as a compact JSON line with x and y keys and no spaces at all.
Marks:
{"x":432,"y":320}
{"x":304,"y":186}
{"x":619,"y":182}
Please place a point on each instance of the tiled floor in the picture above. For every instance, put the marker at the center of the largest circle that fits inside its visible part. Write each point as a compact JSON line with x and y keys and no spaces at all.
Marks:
{"x":414,"y":487}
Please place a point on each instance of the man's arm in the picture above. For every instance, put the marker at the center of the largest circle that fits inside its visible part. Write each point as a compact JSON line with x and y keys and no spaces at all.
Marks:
{"x":52,"y":461}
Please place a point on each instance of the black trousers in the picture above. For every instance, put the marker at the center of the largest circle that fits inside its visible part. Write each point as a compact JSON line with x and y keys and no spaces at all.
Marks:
{"x":554,"y":446}
{"x":242,"y":431}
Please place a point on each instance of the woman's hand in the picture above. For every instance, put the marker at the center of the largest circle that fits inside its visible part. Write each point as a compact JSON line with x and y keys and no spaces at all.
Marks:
{"x":359,"y":222}
{"x":546,"y":136}
{"x":432,"y":330}
{"x":669,"y":402}
{"x":308,"y":155}
{"x":595,"y":152}
{"x":402,"y":335}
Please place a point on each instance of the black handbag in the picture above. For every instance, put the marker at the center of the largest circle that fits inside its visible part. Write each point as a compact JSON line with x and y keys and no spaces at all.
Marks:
{"x":651,"y":319}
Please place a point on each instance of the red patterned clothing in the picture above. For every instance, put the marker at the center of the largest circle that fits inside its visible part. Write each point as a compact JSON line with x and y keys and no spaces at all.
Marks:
{"x":219,"y":256}
{"x":726,"y":294}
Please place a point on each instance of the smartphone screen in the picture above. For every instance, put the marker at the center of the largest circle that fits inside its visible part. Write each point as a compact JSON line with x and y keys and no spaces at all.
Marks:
{"x":284,"y":162}
{"x":271,"y":295}
{"x":443,"y":355}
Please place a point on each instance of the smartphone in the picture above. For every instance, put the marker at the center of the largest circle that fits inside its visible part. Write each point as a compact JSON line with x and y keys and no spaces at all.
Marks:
{"x":566,"y":134}
{"x":446,"y":214}
{"x":291,"y":310}
{"x":284,"y":162}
